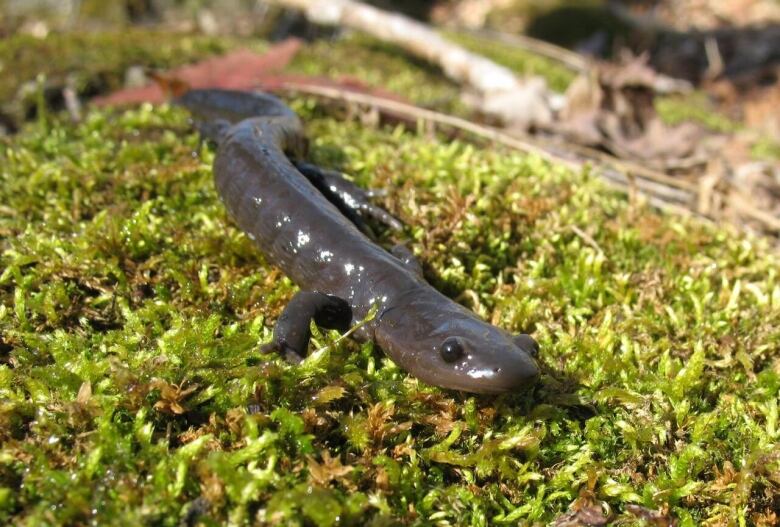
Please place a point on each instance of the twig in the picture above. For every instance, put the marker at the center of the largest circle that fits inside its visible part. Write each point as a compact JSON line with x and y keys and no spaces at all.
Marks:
{"x":574,"y":61}
{"x":746,"y":208}
{"x":72,"y":103}
{"x":570,"y":59}
{"x":459,"y":64}
{"x":499,"y":91}
{"x":617,"y":173}
{"x":662,"y":191}
{"x":587,"y":238}
{"x":715,"y":64}
{"x":411,"y":112}
{"x":625,"y":166}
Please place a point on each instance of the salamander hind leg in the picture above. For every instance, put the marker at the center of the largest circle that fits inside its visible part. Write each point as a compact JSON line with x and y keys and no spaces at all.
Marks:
{"x":351,"y":200}
{"x":292,"y":333}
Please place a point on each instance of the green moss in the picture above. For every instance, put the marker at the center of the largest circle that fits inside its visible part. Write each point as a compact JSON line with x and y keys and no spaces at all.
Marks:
{"x":92,"y":62}
{"x":521,"y":61}
{"x":767,"y":149}
{"x":696,"y":108}
{"x":132,"y":311}
{"x":379,"y":65}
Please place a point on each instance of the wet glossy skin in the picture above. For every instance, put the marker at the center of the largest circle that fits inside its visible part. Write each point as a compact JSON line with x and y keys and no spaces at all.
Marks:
{"x":303,"y":233}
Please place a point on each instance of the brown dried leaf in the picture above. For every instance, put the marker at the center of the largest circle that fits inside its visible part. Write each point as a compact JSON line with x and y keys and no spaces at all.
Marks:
{"x":660,"y":518}
{"x":238,"y":69}
{"x":612,"y":107}
{"x":171,"y":396}
{"x":329,"y":470}
{"x":590,"y":516}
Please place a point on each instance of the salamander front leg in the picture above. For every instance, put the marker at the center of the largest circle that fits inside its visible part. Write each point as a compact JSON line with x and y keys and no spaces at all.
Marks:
{"x":292,"y":333}
{"x":349,"y":198}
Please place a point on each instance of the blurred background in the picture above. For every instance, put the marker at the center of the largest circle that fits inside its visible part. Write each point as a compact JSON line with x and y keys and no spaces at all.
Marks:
{"x":703,"y":41}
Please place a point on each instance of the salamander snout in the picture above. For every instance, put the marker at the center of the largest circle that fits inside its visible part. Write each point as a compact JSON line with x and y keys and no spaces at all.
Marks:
{"x":515,"y":371}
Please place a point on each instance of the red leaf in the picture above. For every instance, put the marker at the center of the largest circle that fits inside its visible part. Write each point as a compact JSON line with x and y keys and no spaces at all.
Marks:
{"x":240,"y":70}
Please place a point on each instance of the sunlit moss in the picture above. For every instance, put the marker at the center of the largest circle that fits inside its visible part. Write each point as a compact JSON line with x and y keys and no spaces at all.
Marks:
{"x":379,"y":65}
{"x":694,"y":107}
{"x":132,"y":309}
{"x":521,"y":61}
{"x":91,"y":63}
{"x":766,"y":149}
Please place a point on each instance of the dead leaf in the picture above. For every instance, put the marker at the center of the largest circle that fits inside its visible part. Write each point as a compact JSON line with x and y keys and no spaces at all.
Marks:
{"x":171,"y":396}
{"x":238,"y":69}
{"x":589,"y":516}
{"x":660,"y":518}
{"x":611,"y":106}
{"x":329,"y":470}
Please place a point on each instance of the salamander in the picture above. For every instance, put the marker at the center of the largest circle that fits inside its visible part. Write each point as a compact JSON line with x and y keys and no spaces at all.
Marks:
{"x":312,"y":223}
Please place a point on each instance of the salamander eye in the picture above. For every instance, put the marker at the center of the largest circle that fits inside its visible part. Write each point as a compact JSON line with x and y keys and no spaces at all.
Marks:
{"x":451,"y":350}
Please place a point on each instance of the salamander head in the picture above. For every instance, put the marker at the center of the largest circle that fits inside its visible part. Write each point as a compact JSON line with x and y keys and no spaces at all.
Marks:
{"x":444,"y":344}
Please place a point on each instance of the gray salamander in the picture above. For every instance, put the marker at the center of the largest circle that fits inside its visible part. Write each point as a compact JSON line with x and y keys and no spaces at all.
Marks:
{"x":309,"y":222}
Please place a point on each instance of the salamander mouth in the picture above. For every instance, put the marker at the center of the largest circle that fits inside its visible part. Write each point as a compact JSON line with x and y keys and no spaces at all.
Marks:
{"x":496,"y":380}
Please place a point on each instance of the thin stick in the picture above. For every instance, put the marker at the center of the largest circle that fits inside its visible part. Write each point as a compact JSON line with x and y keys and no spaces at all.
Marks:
{"x":662,"y":191}
{"x":619,"y":168}
{"x":574,"y":61}
{"x":746,"y":208}
{"x":570,"y":59}
{"x":625,"y":166}
{"x":460,"y":65}
{"x":587,"y":238}
{"x":411,"y":112}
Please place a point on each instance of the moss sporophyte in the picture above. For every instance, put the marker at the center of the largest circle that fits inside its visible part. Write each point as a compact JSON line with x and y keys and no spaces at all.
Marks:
{"x":131,"y":308}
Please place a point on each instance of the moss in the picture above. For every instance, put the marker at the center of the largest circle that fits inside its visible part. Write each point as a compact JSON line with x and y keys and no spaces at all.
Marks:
{"x":520,"y":61}
{"x":92,"y":62}
{"x":694,"y":107}
{"x":767,"y":149}
{"x":380,"y":65}
{"x":132,"y":310}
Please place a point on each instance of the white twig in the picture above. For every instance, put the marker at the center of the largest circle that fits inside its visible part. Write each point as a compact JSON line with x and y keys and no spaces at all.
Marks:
{"x":500,"y":92}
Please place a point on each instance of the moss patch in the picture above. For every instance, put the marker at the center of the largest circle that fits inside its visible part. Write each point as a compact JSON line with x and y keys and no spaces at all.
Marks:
{"x":694,"y":107}
{"x":131,"y":310}
{"x":518,"y":60}
{"x":92,"y":62}
{"x":380,"y":65}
